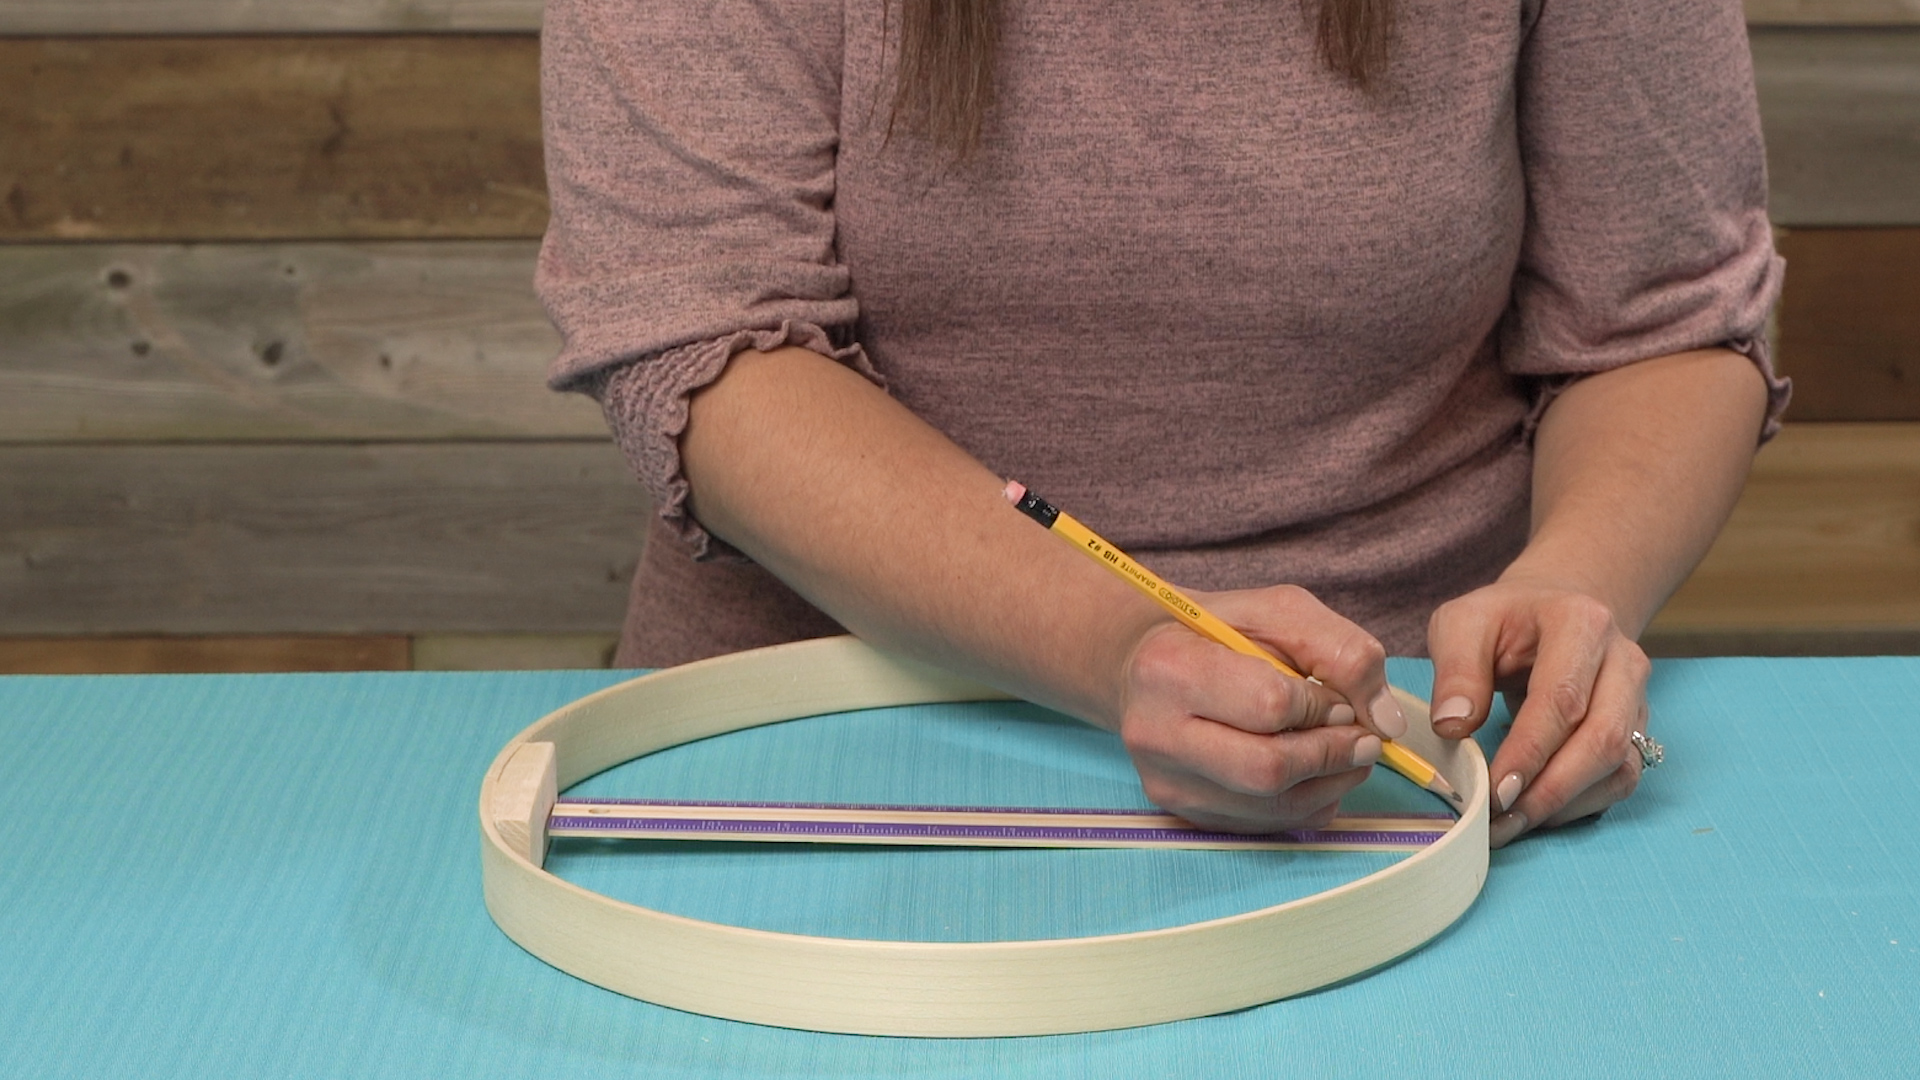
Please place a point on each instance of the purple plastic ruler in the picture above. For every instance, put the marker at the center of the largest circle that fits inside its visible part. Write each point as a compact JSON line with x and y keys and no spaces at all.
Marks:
{"x":966,"y":826}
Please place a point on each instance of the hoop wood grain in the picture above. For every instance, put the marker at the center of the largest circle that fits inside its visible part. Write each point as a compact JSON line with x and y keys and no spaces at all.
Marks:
{"x":930,"y":988}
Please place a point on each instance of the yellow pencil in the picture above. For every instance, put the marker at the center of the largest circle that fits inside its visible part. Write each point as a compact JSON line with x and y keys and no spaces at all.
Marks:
{"x":1201,"y":621}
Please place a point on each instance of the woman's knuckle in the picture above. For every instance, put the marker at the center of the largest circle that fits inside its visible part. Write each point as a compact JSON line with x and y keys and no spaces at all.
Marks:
{"x":1156,"y":664}
{"x":1458,"y":612}
{"x":1546,"y":797}
{"x":1318,"y":817}
{"x":1336,"y":756}
{"x":1625,"y":781}
{"x":1269,"y":773}
{"x":1272,"y":699}
{"x":1357,"y":656}
{"x":1569,"y":699}
{"x":1162,"y":792}
{"x":1372,"y":651}
{"x":1291,"y":595}
{"x":1614,"y":744}
{"x":1638,"y":664}
{"x":1586,"y":613}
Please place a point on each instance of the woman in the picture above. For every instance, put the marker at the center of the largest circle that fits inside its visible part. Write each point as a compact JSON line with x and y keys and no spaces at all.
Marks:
{"x":1431,"y":327}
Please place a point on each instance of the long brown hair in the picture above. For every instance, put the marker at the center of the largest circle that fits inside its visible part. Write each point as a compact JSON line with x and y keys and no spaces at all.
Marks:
{"x":945,"y":80}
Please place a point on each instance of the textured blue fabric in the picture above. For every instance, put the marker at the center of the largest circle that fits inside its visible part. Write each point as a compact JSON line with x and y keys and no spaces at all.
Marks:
{"x":244,"y":876}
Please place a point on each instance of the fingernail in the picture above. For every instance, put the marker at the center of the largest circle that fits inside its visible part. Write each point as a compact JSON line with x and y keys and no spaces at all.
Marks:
{"x":1340,"y":715}
{"x":1454,"y":708}
{"x":1508,"y":790}
{"x":1387,"y":719}
{"x":1366,"y":751}
{"x":1502,"y":830}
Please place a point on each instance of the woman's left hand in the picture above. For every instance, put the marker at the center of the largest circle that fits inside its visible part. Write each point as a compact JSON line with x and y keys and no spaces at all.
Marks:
{"x":1578,"y":685}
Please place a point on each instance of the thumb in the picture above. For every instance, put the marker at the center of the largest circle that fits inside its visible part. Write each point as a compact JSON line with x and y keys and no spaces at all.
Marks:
{"x":1461,"y":638}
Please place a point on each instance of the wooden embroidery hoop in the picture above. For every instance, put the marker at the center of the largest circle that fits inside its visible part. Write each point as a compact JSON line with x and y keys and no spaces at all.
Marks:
{"x":867,"y":987}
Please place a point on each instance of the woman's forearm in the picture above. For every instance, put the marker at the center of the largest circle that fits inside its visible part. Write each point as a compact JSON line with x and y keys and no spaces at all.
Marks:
{"x":888,"y":526}
{"x":1635,"y":471}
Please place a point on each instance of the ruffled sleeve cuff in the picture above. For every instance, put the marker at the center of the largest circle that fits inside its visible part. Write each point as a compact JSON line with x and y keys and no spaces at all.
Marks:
{"x":1779,"y":388}
{"x":1756,"y":349}
{"x":645,"y":403}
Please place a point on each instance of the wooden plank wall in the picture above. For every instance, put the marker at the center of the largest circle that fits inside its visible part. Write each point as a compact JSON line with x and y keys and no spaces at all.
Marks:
{"x":1824,"y":12}
{"x":271,"y":138}
{"x":133,"y":343}
{"x":270,"y":364}
{"x":181,"y":17}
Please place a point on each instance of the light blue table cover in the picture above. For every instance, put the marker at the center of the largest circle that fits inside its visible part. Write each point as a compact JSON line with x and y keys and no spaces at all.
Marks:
{"x":277,"y":876}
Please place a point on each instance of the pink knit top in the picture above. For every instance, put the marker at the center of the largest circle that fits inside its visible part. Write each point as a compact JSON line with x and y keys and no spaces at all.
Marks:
{"x":1251,"y":323}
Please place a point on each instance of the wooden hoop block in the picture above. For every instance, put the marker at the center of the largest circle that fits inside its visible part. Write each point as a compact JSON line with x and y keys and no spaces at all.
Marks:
{"x":923,"y":988}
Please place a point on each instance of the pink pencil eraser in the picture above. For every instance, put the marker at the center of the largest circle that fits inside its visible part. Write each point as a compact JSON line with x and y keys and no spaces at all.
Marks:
{"x":1015,"y":492}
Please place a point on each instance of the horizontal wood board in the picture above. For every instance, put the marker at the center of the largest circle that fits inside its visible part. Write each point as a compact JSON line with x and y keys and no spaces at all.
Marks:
{"x":1780,"y":641}
{"x":293,"y":341}
{"x":316,"y":539}
{"x":1825,"y":537}
{"x":1849,"y":323}
{"x":414,"y":341}
{"x":280,"y":16}
{"x":120,"y":655}
{"x":513,"y":652}
{"x":1832,"y":12}
{"x":541,"y":538}
{"x":411,"y":137}
{"x":276,"y":16}
{"x":437,"y":136}
{"x":167,"y":655}
{"x":1841,"y":109}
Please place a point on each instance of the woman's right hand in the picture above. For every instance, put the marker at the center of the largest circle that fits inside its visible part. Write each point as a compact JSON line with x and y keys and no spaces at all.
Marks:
{"x":1228,"y":742}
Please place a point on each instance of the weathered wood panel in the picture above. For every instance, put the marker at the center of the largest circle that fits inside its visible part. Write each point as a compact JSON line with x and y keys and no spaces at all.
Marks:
{"x":512,"y":652}
{"x":261,"y":341}
{"x":438,"y":136}
{"x":1850,"y":323}
{"x":1781,"y":642}
{"x":540,"y":538}
{"x":1841,"y":110}
{"x":166,"y":655}
{"x":1826,"y":537}
{"x":333,"y":539}
{"x":445,"y":340}
{"x":285,"y":16}
{"x":270,"y":138}
{"x":1832,"y":12}
{"x":264,"y":16}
